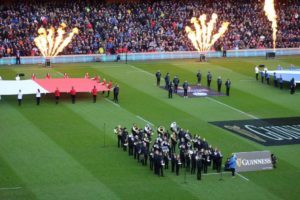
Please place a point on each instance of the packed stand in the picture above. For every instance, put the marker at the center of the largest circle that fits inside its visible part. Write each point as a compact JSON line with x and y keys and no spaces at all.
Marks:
{"x":143,"y":27}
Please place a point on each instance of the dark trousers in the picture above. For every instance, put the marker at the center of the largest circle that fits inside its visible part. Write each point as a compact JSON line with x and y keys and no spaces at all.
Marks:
{"x":268,"y":81}
{"x":185,"y":92}
{"x":20,"y":102}
{"x":56,"y":99}
{"x":262,"y":79}
{"x":256,"y":76}
{"x":208,"y":83}
{"x":116,"y":100}
{"x":175,"y":88}
{"x":293,"y":90}
{"x":151,"y":163}
{"x":130,"y":150}
{"x":232,"y":171}
{"x":18,"y":61}
{"x":158,"y":82}
{"x":227,"y":91}
{"x":173,"y":166}
{"x":177,"y":170}
{"x":193,"y":169}
{"x":219,"y":88}
{"x":161,"y":170}
{"x":73,"y":97}
{"x":170,"y":95}
{"x":94,"y":98}
{"x":38,"y":100}
{"x":205,"y":168}
{"x":281,"y":85}
{"x":225,"y":54}
{"x":275,"y":83}
{"x":199,"y":81}
{"x":199,"y":173}
{"x":108,"y":92}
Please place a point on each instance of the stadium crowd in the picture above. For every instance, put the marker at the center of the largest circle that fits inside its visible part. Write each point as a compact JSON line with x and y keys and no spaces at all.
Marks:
{"x":144,"y":26}
{"x":175,"y":150}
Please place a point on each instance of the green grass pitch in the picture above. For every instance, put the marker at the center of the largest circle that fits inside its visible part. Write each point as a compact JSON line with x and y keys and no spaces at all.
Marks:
{"x":68,"y":151}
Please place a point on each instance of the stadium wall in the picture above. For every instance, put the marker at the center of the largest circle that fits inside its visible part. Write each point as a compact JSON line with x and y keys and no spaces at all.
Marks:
{"x":148,"y":56}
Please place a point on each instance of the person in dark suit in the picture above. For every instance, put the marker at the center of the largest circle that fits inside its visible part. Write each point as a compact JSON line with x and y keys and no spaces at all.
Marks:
{"x":116,"y":93}
{"x":173,"y":162}
{"x":199,"y":77}
{"x":176,"y":83}
{"x":262,"y":76}
{"x":280,"y":82}
{"x":219,"y":83}
{"x":275,"y":80}
{"x":185,"y":89}
{"x":218,"y":159}
{"x":209,"y":78}
{"x":293,"y":86}
{"x":228,"y":85}
{"x":178,"y":164}
{"x":158,"y":76}
{"x":167,"y":80}
{"x":170,"y":90}
{"x":268,"y":78}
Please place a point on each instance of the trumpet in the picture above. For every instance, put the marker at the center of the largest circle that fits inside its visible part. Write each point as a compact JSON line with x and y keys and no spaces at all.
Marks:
{"x":161,"y":129}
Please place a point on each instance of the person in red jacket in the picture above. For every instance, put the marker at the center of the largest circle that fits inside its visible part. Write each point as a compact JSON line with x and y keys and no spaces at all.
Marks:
{"x":94,"y":93}
{"x":73,"y":94}
{"x":33,"y":76}
{"x":57,"y":95}
{"x":97,"y":79}
{"x":48,"y":76}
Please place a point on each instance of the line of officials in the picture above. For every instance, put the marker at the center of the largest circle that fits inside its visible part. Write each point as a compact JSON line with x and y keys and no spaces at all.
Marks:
{"x":172,"y":86}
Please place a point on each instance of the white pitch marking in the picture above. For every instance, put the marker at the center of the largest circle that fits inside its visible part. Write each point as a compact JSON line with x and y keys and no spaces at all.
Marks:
{"x":216,"y":173}
{"x":12,"y":188}
{"x":136,"y":68}
{"x":228,"y":106}
{"x":113,"y":103}
{"x":243,"y":177}
{"x":139,"y":117}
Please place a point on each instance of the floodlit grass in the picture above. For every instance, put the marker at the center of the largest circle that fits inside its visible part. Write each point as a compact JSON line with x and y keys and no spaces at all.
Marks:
{"x":68,"y":151}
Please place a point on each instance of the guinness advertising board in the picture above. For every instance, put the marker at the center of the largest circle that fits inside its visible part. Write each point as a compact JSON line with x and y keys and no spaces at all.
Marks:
{"x":253,"y":161}
{"x":268,"y":132}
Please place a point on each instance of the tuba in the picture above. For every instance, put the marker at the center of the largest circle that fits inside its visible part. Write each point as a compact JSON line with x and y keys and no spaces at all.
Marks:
{"x":161,"y":129}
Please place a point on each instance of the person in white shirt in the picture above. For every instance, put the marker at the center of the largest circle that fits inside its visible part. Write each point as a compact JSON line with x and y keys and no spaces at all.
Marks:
{"x":18,"y":77}
{"x":256,"y":72}
{"x":20,"y":97}
{"x":38,"y":97}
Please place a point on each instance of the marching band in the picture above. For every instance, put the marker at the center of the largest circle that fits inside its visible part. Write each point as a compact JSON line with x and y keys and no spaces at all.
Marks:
{"x":194,"y":154}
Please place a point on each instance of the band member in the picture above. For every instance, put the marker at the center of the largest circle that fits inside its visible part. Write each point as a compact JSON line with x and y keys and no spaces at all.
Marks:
{"x":87,"y":75}
{"x":178,"y":164}
{"x":199,"y":76}
{"x":116,"y":93}
{"x":219,"y":83}
{"x":94,"y":93}
{"x":185,"y":89}
{"x":48,"y":76}
{"x":33,"y":76}
{"x":227,"y":84}
{"x":167,"y":80}
{"x":73,"y":95}
{"x":173,"y":161}
{"x":151,"y":155}
{"x":173,"y":142}
{"x":274,"y":160}
{"x":161,"y":164}
{"x":20,"y":97}
{"x":57,"y":95}
{"x":218,"y":159}
{"x":66,"y":75}
{"x":176,"y":83}
{"x":158,"y":77}
{"x":194,"y":162}
{"x":38,"y":97}
{"x":209,"y":78}
{"x":199,"y":162}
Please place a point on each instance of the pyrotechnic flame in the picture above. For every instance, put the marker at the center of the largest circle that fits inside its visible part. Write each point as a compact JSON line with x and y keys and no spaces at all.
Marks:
{"x":202,"y":38}
{"x":49,"y":45}
{"x":269,"y":9}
